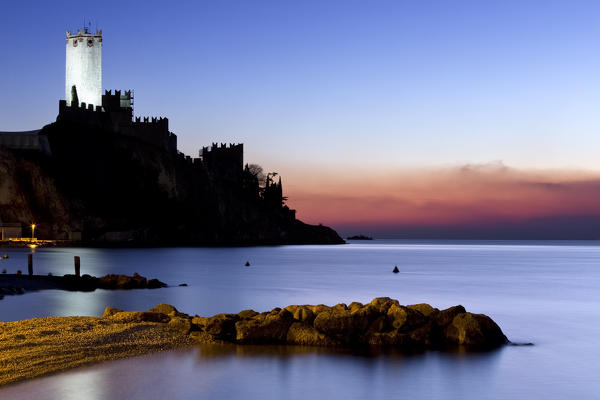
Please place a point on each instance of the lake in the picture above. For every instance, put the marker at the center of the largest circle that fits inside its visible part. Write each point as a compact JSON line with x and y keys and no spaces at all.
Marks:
{"x":544,"y":292}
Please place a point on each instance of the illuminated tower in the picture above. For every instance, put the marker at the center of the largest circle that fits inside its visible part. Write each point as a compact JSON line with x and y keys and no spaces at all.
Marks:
{"x":84,"y":67}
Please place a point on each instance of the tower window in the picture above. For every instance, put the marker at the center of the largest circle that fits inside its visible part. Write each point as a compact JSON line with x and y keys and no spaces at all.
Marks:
{"x":90,"y":42}
{"x":74,"y":42}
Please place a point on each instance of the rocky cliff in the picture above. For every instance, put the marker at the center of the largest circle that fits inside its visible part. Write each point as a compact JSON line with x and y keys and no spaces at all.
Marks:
{"x":107,"y":188}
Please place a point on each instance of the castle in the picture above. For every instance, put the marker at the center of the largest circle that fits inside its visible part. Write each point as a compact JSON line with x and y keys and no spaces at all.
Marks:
{"x":85,"y":103}
{"x":96,"y":117}
{"x":99,"y":174}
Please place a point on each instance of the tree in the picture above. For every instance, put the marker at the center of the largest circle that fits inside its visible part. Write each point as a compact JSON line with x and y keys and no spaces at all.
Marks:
{"x":257,"y":171}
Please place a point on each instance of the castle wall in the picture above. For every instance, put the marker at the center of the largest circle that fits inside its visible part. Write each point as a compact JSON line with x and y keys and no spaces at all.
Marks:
{"x":84,"y":67}
{"x":224,"y":161}
{"x":29,"y":140}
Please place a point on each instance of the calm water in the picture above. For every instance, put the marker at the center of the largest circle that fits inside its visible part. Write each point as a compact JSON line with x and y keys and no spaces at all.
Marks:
{"x":541,"y":292}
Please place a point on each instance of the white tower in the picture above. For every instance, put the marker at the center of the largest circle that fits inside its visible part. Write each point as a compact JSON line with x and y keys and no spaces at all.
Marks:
{"x":84,"y":67}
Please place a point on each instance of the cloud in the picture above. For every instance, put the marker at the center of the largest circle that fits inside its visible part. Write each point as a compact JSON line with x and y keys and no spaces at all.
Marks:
{"x":470,"y":197}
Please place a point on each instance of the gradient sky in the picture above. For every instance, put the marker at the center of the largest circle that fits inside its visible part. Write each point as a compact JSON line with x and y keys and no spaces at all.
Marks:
{"x":332,"y":94}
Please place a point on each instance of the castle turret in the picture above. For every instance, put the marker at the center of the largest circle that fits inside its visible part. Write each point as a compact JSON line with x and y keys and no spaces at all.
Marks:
{"x":84,"y":67}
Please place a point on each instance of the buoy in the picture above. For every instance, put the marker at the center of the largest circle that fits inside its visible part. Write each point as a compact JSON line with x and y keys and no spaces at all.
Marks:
{"x":396,"y":270}
{"x":247,"y":263}
{"x":5,"y":256}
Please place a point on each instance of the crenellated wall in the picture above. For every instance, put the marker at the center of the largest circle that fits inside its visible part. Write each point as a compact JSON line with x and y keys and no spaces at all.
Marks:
{"x":224,"y":161}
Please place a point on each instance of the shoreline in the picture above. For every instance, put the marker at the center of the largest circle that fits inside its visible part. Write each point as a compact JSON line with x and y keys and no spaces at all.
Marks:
{"x":40,"y":346}
{"x":36,"y":347}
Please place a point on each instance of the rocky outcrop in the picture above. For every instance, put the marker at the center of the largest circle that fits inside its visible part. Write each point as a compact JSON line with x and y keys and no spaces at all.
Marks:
{"x":383,"y":322}
{"x":18,"y":284}
{"x":110,"y":196}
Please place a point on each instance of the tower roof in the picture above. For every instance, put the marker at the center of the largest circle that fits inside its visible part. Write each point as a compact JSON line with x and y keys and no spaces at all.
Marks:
{"x":84,"y":32}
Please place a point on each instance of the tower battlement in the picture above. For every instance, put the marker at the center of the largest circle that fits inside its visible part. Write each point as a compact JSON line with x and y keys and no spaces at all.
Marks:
{"x":225,"y":161}
{"x":84,"y":32}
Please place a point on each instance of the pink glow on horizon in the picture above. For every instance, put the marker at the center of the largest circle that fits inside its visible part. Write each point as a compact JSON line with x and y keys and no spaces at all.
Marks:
{"x":460,"y":196}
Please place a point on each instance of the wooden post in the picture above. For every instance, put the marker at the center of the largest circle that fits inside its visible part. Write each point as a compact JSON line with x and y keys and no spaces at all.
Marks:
{"x":30,"y":264}
{"x":77,"y":266}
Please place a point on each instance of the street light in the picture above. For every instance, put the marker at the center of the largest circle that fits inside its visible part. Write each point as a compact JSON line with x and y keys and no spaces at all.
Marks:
{"x":32,"y":231}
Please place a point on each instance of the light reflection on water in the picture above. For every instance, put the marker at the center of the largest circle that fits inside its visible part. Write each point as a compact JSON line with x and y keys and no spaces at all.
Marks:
{"x":542,"y":292}
{"x":217,"y":372}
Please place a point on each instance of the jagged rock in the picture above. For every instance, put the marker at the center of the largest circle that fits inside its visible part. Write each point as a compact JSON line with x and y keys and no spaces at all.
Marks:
{"x":423,"y":308}
{"x":444,"y":318}
{"x":476,"y":330}
{"x":381,"y":304}
{"x":355,"y":306}
{"x":222,"y":326}
{"x":271,"y":327}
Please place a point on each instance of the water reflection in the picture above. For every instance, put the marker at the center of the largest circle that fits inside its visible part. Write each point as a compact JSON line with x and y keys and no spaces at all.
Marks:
{"x":546,"y":293}
{"x":259,"y":372}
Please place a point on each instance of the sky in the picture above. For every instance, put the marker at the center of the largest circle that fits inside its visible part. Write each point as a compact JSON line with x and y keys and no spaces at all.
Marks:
{"x":393,"y":118}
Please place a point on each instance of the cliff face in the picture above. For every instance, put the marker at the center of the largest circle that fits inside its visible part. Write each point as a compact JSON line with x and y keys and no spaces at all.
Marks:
{"x":113,"y":188}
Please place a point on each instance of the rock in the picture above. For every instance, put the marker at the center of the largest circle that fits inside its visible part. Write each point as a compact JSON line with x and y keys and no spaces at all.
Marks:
{"x":474,"y":330}
{"x":140,"y":316}
{"x":182,"y":285}
{"x":139,"y":280}
{"x":304,"y":314}
{"x":381,"y":304}
{"x":110,"y":311}
{"x":222,"y":326}
{"x":306,"y":335}
{"x":269,"y":327}
{"x":181,"y":325}
{"x":425,"y":335}
{"x":382,"y":322}
{"x":155,"y":284}
{"x":404,"y":318}
{"x":444,"y":318}
{"x":355,"y":306}
{"x":164,"y":308}
{"x":341,"y":324}
{"x":340,"y":307}
{"x":397,"y":315}
{"x":318,"y":309}
{"x":199,"y":323}
{"x":245,"y":314}
{"x":395,"y":270}
{"x":423,"y":308}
